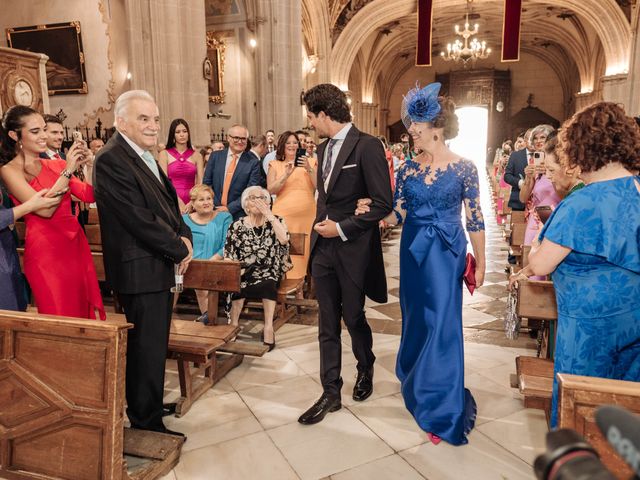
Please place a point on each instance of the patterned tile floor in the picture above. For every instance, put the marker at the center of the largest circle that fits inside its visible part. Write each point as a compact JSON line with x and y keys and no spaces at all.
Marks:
{"x":245,"y":427}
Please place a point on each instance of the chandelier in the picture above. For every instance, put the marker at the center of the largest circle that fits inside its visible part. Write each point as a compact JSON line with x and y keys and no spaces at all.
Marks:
{"x":469,"y":50}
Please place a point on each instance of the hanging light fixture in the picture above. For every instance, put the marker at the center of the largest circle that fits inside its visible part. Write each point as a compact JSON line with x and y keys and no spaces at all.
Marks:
{"x":469,"y":50}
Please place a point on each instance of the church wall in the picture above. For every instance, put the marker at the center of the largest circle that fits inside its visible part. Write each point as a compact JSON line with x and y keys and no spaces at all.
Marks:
{"x":529,"y":75}
{"x":101,"y":22}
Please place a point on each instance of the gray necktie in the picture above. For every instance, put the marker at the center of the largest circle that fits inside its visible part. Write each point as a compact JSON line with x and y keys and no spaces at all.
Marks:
{"x":326,"y":168}
{"x":152,"y":164}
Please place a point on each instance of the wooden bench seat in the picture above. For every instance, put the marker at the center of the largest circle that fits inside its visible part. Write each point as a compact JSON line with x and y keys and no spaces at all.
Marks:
{"x":194,"y":342}
{"x":535,"y":381}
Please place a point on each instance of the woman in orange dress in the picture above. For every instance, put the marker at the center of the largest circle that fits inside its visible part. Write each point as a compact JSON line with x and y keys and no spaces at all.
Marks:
{"x":57,"y":258}
{"x":294,"y":187}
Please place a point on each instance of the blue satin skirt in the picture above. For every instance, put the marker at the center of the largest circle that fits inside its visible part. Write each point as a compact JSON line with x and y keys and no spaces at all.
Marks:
{"x":430,"y":363}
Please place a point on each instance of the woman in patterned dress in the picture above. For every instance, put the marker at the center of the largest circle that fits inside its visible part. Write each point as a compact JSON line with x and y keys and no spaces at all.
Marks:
{"x":260,"y":242}
{"x":591,"y":247}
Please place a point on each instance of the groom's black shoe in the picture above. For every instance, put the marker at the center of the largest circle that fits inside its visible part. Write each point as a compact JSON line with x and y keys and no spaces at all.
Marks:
{"x":325,"y":404}
{"x":364,"y":385}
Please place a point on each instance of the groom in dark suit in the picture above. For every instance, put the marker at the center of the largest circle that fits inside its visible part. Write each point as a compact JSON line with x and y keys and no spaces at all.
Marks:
{"x":230,"y":171}
{"x":346,"y":251}
{"x":143,"y":236}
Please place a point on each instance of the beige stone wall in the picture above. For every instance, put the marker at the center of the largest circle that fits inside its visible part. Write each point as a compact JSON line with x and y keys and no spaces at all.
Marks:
{"x":530,"y":75}
{"x":106,"y":74}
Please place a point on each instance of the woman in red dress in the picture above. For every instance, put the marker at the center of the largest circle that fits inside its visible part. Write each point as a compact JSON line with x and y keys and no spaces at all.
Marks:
{"x":57,"y":258}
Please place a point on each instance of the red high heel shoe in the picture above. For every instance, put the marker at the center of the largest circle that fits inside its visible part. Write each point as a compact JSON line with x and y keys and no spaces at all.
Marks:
{"x":435,"y":439}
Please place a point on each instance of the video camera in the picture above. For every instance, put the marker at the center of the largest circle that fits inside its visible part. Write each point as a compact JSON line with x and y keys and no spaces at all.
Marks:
{"x":570,"y":457}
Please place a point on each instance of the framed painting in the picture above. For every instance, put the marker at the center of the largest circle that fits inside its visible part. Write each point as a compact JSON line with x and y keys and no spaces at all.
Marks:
{"x":215,"y":55}
{"x":62,"y":43}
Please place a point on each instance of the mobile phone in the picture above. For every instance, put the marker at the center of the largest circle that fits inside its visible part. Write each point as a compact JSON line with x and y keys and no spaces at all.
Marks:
{"x":300,"y":152}
{"x":544,"y":212}
{"x":538,"y":158}
{"x":77,"y":136}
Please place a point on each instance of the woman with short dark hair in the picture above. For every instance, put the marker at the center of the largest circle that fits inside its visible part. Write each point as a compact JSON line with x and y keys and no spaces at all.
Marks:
{"x":591,"y":246}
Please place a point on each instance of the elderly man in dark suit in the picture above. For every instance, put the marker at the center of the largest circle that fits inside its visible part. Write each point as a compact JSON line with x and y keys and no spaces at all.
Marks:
{"x":230,"y":171}
{"x":143,"y":238}
{"x":346,"y":251}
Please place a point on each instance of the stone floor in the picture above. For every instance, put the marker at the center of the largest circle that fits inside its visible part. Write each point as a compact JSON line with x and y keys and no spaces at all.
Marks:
{"x":245,"y":427}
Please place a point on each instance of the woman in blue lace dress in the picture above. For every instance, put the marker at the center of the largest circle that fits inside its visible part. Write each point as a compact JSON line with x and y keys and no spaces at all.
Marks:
{"x":430,"y":192}
{"x":591,"y":243}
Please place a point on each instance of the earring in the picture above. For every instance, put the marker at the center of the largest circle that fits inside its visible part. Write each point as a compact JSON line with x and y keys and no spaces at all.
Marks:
{"x":20,"y":145}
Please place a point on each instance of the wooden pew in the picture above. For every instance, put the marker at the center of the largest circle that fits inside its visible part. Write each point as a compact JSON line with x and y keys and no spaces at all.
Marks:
{"x":516,"y":240}
{"x":207,"y":347}
{"x":290,"y":287}
{"x":578,"y":398}
{"x":536,"y":300}
{"x":62,"y":402}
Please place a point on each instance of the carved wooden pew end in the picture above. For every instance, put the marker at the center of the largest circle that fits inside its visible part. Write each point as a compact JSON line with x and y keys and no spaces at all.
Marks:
{"x":578,"y":398}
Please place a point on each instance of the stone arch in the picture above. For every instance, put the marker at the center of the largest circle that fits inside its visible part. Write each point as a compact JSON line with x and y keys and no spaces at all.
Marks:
{"x":604,"y":16}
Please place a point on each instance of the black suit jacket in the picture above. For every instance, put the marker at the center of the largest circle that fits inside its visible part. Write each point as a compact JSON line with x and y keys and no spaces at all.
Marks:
{"x":246,"y":174}
{"x":513,"y":173}
{"x":360,"y":171}
{"x":140,"y":221}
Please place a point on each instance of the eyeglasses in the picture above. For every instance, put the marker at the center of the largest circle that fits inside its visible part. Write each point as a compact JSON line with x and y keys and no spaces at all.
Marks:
{"x":238,"y":139}
{"x":253,"y":198}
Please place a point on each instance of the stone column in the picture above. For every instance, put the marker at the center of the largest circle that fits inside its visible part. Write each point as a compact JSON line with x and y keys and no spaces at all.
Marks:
{"x":383,"y":121}
{"x":278,"y":66}
{"x":369,"y":118}
{"x":584,"y":100}
{"x":633,"y":107}
{"x":166,"y":51}
{"x":615,"y":88}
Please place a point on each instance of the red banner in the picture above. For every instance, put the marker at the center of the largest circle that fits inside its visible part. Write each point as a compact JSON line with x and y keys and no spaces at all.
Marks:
{"x":511,"y":30}
{"x":425,"y":17}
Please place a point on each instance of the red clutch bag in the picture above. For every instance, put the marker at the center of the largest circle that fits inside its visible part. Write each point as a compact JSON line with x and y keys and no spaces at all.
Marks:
{"x":469,"y":276}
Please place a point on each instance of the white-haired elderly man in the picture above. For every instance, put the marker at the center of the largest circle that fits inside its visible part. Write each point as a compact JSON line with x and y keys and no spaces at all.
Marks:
{"x":143,"y":237}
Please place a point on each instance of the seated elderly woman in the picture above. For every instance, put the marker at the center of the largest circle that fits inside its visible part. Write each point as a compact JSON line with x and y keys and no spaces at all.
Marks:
{"x":591,"y":246}
{"x":209,"y":228}
{"x":260,"y":242}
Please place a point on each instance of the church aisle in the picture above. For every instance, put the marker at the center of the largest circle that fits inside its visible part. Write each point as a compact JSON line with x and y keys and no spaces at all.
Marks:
{"x":246,"y":426}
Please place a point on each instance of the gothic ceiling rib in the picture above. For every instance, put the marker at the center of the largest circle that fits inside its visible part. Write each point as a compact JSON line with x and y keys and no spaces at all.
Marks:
{"x":384,"y":51}
{"x":604,"y":16}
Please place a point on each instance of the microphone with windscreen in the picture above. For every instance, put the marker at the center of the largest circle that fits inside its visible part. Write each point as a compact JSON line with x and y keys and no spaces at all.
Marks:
{"x":621,"y":428}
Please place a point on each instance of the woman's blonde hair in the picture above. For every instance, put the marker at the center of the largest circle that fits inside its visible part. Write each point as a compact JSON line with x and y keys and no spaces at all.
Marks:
{"x":198,"y":189}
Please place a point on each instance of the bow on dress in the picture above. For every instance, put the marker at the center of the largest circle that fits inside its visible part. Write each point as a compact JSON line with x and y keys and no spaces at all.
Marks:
{"x":447,"y":228}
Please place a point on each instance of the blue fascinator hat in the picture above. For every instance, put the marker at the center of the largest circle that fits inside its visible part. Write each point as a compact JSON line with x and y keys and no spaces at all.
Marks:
{"x":421,"y":105}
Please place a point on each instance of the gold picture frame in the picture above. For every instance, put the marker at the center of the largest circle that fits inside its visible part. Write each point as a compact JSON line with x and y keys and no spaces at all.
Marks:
{"x":216,"y":56}
{"x":62,"y":43}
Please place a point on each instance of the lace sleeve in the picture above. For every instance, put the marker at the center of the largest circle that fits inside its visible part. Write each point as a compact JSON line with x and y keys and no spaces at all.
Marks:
{"x":471,"y":198}
{"x":399,"y":202}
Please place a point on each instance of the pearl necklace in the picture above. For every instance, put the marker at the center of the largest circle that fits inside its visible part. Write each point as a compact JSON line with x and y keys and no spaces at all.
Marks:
{"x":253,"y":227}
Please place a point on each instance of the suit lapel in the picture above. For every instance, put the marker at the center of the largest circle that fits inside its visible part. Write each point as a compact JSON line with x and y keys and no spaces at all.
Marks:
{"x":347,"y":147}
{"x":138,"y":163}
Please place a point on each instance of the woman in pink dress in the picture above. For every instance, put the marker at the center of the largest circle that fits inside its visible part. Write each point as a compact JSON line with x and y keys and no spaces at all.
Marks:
{"x":537,"y":189}
{"x":57,"y":258}
{"x":182,"y":164}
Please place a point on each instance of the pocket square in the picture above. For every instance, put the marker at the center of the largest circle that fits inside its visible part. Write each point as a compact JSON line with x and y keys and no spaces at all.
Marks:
{"x":351,"y":165}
